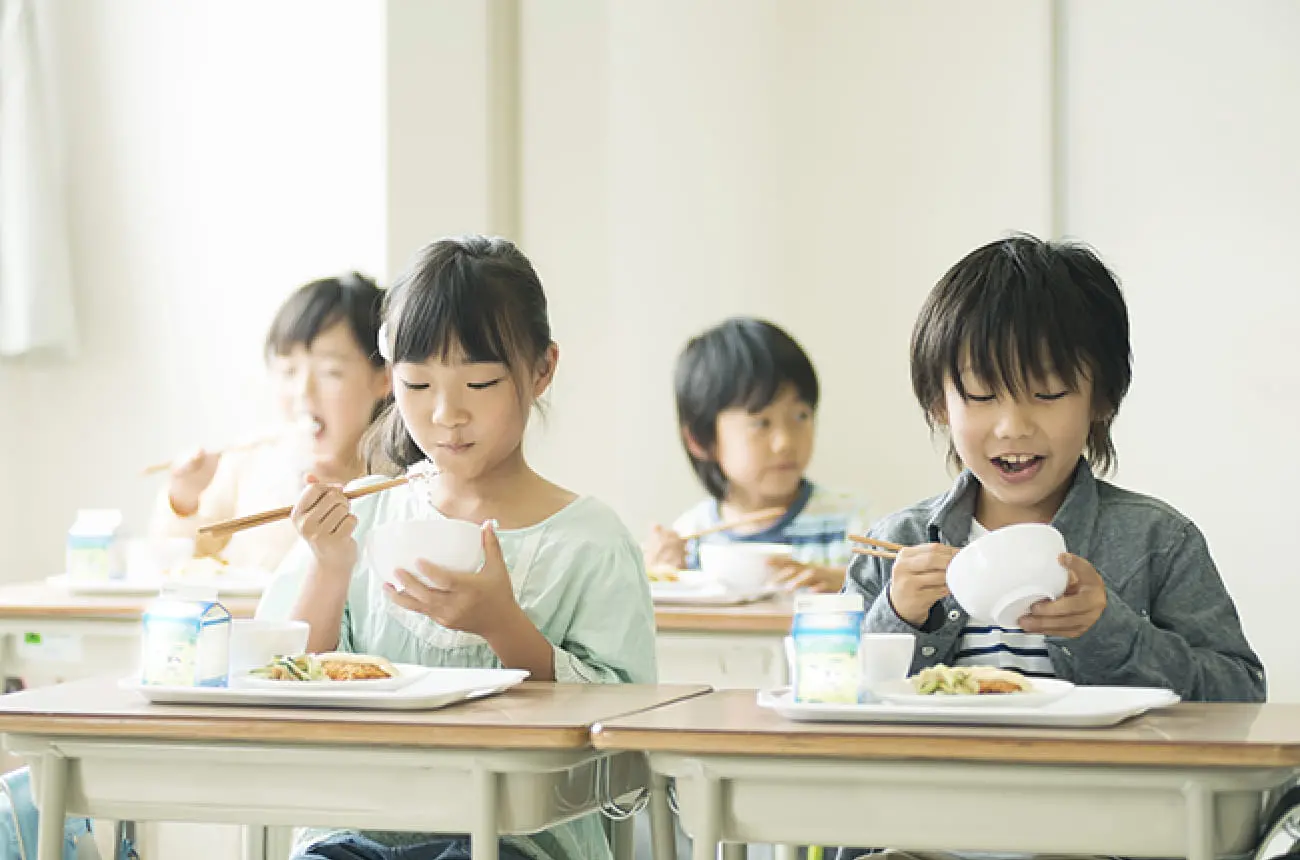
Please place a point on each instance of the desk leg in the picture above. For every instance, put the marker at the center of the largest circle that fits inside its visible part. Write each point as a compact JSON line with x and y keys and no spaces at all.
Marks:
{"x":254,"y":842}
{"x":279,"y":842}
{"x":663,"y":833}
{"x":704,"y":842}
{"x":1200,"y":821}
{"x":53,"y":806}
{"x":484,"y":838}
{"x":623,"y":842}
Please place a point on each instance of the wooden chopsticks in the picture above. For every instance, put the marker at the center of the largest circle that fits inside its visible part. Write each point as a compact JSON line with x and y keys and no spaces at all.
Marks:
{"x":252,"y":521}
{"x":875,"y":547}
{"x":242,"y":446}
{"x":746,"y":520}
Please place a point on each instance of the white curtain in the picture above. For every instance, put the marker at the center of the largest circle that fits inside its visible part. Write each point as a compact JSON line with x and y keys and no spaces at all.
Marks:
{"x":36,"y":305}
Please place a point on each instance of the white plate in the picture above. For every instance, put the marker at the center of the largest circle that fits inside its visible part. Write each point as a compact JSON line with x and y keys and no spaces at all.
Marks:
{"x":406,"y":674}
{"x":1083,"y":707}
{"x":1044,"y":692}
{"x":436,"y":688}
{"x":695,"y":588}
{"x":688,"y":594}
{"x":236,"y":583}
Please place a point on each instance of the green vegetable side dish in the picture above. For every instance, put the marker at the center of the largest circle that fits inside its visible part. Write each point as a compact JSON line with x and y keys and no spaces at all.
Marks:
{"x":302,"y":668}
{"x":946,"y":681}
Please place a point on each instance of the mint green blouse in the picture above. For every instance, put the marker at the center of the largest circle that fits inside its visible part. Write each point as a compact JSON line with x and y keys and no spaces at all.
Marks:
{"x":579,"y":577}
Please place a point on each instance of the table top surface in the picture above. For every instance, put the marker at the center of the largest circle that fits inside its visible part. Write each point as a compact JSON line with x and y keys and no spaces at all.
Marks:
{"x":1195,"y":735}
{"x":40,"y":600}
{"x":530,"y":716}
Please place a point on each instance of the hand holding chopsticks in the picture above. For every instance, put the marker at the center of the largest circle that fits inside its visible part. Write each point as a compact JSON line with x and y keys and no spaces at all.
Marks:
{"x":918,"y":580}
{"x":665,"y":548}
{"x":230,"y":527}
{"x":305,"y":425}
{"x":751,"y":519}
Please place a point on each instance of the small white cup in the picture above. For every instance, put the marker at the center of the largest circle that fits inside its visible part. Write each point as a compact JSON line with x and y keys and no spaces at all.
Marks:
{"x":885,"y":657}
{"x":255,"y":642}
{"x":455,"y":545}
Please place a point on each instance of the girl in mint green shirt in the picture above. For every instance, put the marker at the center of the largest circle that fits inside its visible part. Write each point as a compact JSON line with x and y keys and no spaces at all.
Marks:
{"x":562,"y":592}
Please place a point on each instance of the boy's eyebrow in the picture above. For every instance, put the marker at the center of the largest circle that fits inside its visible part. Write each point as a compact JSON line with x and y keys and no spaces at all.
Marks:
{"x":329,"y":353}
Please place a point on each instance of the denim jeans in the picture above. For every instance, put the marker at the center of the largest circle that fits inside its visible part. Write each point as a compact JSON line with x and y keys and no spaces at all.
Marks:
{"x":351,"y":846}
{"x":20,"y":820}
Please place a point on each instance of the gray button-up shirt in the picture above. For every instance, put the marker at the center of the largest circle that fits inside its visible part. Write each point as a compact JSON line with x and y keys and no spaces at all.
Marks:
{"x":1168,"y":622}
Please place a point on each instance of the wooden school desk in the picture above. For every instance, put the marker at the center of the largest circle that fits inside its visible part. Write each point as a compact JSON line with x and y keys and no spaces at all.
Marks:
{"x":725,"y":647}
{"x":517,"y":762}
{"x":50,"y":635}
{"x":1181,"y":782}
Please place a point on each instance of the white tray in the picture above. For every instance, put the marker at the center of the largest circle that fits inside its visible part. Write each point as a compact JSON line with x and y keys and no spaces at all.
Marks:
{"x":233,"y":584}
{"x":696,"y":589}
{"x":437,"y":689}
{"x":1084,"y":707}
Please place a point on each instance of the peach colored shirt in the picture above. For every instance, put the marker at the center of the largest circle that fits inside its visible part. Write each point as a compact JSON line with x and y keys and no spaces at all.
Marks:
{"x":246,"y":482}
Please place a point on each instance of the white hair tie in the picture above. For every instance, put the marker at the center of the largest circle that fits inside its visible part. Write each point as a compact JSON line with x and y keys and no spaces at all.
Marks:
{"x":385,"y":349}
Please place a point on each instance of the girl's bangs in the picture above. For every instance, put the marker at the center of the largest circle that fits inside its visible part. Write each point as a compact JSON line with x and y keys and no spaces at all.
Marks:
{"x":452,"y":325}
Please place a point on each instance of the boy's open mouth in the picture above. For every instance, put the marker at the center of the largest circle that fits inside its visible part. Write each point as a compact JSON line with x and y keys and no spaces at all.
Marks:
{"x":1017,"y":464}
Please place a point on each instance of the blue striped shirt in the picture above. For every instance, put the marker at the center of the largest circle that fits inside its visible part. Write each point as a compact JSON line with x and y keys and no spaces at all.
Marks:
{"x":816,"y":526}
{"x":1006,"y":648}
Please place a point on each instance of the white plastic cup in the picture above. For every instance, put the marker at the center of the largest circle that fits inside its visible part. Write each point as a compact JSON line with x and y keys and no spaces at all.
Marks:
{"x":255,"y":642}
{"x":885,"y":657}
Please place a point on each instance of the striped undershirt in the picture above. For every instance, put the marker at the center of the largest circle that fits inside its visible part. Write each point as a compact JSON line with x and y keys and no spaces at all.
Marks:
{"x":1007,"y":648}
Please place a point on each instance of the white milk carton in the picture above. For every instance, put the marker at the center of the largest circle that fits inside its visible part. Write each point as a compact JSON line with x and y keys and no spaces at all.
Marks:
{"x":93,"y":551}
{"x":186,"y":640}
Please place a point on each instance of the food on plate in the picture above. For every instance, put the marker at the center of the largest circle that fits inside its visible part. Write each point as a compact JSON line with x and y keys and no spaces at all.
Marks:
{"x":202,"y":567}
{"x":944,"y":680}
{"x":663,"y":574}
{"x":336,"y":666}
{"x":341,"y":666}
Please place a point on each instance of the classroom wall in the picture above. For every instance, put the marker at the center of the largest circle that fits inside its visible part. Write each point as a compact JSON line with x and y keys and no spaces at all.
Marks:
{"x":820,"y":164}
{"x":1183,"y":170}
{"x":219,"y":154}
{"x":817,"y":164}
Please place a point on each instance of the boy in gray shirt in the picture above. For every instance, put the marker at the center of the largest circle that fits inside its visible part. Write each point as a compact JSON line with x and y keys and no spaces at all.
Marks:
{"x":1021,"y":356}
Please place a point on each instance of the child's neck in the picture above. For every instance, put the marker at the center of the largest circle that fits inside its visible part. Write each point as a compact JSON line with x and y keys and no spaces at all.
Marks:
{"x":993,"y":513}
{"x":510,"y":493}
{"x":740,"y":502}
{"x":334,"y":472}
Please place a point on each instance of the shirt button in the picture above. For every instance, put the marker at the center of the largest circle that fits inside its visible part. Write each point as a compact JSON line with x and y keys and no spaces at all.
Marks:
{"x":953,"y":615}
{"x":927,"y":651}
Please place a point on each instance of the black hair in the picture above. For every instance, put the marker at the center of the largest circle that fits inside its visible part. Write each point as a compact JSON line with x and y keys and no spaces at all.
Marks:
{"x":1016,"y":311}
{"x":742,"y":362}
{"x":314,"y":307}
{"x":476,"y":296}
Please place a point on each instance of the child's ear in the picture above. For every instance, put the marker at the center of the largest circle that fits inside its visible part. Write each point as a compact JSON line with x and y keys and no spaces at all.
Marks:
{"x":546,"y":370}
{"x":696,"y":450}
{"x":939,"y":414}
{"x":383,"y":382}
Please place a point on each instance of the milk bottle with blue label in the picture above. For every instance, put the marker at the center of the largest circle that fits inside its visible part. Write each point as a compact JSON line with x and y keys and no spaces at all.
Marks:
{"x":186,"y":640}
